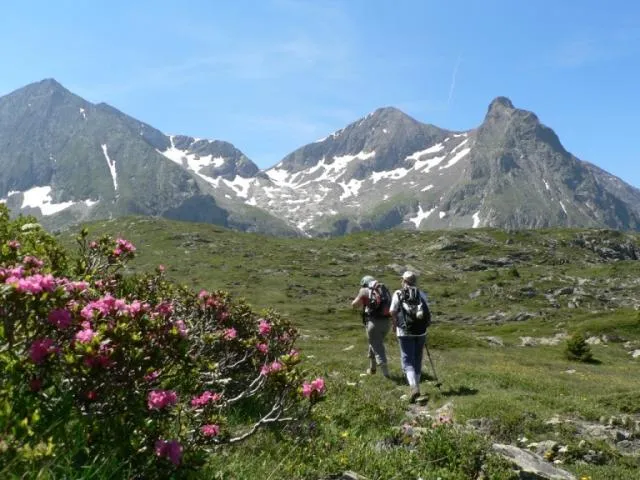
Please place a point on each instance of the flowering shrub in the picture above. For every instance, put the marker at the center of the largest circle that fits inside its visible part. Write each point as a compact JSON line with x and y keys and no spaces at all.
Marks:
{"x":147,"y":370}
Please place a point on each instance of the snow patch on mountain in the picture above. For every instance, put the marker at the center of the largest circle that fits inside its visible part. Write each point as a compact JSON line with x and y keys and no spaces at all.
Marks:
{"x":546,"y":184}
{"x":350,"y":189}
{"x":421,"y":215}
{"x":336,"y":169}
{"x":392,"y":174}
{"x":191,"y":161}
{"x":458,"y":156}
{"x":40,"y":197}
{"x":112,"y":167}
{"x":282,"y":177}
{"x":476,"y":219}
{"x":427,"y":165}
{"x":433,"y":149}
{"x":331,"y":171}
{"x":563,"y":208}
{"x":83,"y":113}
{"x":240,"y":185}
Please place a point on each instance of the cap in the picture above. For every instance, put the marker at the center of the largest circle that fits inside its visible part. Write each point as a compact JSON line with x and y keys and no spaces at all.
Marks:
{"x":409,"y":277}
{"x":366,"y":280}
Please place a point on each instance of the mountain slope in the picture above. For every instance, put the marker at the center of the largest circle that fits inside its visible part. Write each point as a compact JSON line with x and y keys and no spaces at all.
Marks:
{"x":520,"y":176}
{"x":388,"y":170}
{"x":65,"y":160}
{"x":339,"y":180}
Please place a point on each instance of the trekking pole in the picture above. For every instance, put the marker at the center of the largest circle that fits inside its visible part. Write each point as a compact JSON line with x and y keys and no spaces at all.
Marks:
{"x":433,"y":368}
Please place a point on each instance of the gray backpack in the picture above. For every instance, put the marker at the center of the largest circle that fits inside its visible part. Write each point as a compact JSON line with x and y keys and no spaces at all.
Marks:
{"x":417,"y":316}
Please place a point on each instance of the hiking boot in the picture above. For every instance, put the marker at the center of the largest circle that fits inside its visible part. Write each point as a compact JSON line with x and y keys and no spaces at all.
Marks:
{"x":415,"y":393}
{"x":372,"y":367}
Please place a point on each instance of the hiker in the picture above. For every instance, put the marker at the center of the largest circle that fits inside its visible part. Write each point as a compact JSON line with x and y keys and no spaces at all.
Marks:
{"x":411,"y":317}
{"x":375,"y":320}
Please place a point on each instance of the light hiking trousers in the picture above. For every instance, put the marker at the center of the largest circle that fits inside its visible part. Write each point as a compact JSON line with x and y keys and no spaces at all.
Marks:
{"x":411,"y":357}
{"x":377,"y":330}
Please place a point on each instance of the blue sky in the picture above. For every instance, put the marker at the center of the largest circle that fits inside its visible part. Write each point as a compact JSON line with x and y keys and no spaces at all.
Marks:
{"x":272,"y":75}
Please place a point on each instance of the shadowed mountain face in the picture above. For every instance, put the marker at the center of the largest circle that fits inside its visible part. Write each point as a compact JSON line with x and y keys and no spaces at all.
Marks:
{"x":67,"y":160}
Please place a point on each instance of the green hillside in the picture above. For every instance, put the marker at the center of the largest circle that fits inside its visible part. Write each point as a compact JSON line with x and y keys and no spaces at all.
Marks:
{"x":504,"y":305}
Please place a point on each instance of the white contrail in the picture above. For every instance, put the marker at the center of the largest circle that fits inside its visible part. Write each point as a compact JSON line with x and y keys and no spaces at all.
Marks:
{"x":453,"y":80}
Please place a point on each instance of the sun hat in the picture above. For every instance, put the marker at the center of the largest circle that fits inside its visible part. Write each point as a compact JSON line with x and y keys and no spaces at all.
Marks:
{"x":366,"y":280}
{"x":409,"y":277}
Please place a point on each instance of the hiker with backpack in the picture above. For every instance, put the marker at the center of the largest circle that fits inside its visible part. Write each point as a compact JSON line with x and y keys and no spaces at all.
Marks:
{"x":375,"y":299}
{"x":411,"y":316}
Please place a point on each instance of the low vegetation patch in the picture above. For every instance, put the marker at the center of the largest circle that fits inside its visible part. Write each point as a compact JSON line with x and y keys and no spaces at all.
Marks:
{"x":506,"y":306}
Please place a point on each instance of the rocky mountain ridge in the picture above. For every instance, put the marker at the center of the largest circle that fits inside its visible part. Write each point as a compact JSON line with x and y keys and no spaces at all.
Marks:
{"x":67,"y":160}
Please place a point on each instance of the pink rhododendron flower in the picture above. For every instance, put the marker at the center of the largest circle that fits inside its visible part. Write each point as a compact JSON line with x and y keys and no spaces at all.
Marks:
{"x":161,"y":268}
{"x":17,"y":271}
{"x":120,"y":306}
{"x":11,"y":275}
{"x":13,"y":244}
{"x":135,"y":308}
{"x":85,"y":335}
{"x":205,"y":398}
{"x":125,"y":246}
{"x":316,"y":385}
{"x":262,"y":348}
{"x":270,"y":368}
{"x":223,"y":315}
{"x":159,"y":399}
{"x":32,"y":262}
{"x":203,"y":294}
{"x":40,"y":349}
{"x":102,"y":358}
{"x":294,"y":355}
{"x":165,"y":309}
{"x":76,"y":287}
{"x":149,"y":377}
{"x":104,"y":306}
{"x":12,"y":281}
{"x":264,"y":327}
{"x":60,"y":318}
{"x":87,"y":312}
{"x":93,"y":245}
{"x":230,"y":333}
{"x":307,"y":390}
{"x":182,"y":328}
{"x":284,"y":338}
{"x":170,"y":449}
{"x":36,"y":284}
{"x":276,"y":366}
{"x":210,"y":430}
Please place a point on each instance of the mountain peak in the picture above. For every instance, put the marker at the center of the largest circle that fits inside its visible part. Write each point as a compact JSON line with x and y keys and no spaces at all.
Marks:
{"x":390,"y":113}
{"x":389,"y":110}
{"x":46,"y":87}
{"x":50,"y":82}
{"x":501,"y":103}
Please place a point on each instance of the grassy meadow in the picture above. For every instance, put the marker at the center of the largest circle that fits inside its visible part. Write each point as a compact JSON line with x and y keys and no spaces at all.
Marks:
{"x":488,"y":289}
